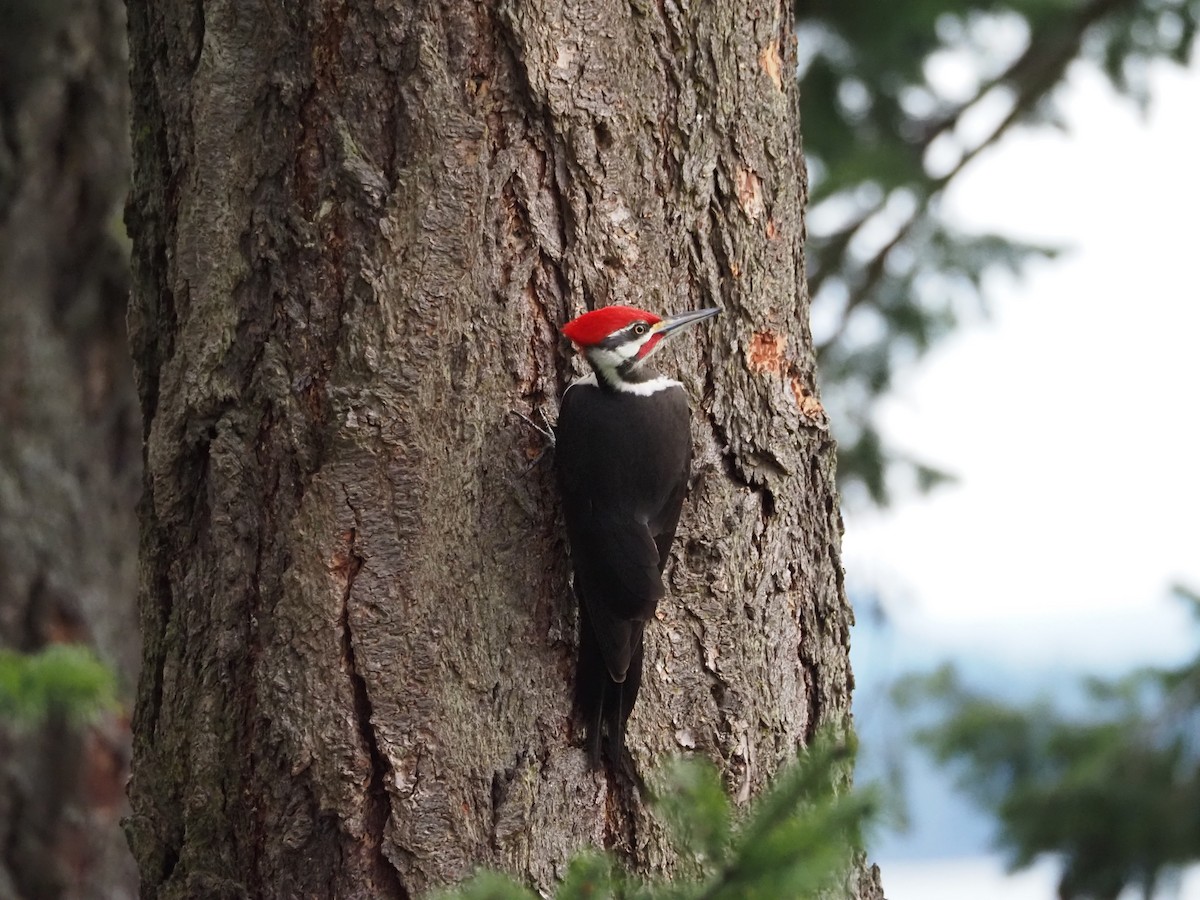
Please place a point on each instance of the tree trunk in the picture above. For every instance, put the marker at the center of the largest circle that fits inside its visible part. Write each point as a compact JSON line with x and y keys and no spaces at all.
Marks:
{"x":69,"y":461}
{"x":357,"y":230}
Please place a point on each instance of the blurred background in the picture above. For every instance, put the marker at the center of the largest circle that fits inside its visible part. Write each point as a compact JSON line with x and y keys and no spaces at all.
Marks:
{"x":1002,"y":222}
{"x":1070,"y":419}
{"x":1004,"y":303}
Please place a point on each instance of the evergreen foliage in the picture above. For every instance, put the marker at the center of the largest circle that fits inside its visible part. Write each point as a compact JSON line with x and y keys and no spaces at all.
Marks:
{"x":62,"y":680}
{"x":796,"y":841}
{"x":1114,"y":794}
{"x":887,"y":130}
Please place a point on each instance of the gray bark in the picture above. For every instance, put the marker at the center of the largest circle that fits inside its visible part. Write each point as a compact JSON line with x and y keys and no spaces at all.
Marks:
{"x":357,"y":229}
{"x":69,"y":461}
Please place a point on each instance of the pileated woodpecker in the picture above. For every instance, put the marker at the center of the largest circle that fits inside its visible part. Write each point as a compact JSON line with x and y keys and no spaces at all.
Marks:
{"x":623,"y":451}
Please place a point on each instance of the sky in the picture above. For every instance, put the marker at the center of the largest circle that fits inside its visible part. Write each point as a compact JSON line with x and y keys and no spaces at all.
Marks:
{"x":1071,"y":416}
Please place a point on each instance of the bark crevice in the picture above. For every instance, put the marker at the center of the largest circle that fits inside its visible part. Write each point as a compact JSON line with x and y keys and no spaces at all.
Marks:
{"x":731,"y":464}
{"x":377,"y":809}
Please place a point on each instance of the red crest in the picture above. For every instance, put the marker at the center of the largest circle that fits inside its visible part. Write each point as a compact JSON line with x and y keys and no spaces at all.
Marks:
{"x":593,"y":327}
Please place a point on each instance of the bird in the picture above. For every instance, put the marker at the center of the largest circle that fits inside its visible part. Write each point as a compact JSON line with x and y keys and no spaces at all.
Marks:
{"x":623,"y":452}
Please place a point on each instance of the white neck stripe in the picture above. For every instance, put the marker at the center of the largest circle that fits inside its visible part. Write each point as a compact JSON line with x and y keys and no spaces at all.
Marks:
{"x":647,"y":388}
{"x":640,"y":388}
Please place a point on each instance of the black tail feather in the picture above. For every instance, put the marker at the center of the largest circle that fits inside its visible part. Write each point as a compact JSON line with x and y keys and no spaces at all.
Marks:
{"x":604,"y":705}
{"x":591,"y":682}
{"x":619,"y":702}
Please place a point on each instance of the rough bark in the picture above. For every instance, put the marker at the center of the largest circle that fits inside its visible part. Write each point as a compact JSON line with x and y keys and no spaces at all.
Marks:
{"x":69,"y":460}
{"x":357,"y":229}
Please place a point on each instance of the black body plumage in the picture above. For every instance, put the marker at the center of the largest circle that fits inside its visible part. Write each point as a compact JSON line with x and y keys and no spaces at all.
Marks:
{"x":623,"y":460}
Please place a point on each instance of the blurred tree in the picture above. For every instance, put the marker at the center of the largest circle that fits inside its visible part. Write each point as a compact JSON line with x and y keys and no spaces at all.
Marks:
{"x":1115,"y":795}
{"x":896,"y":100}
{"x":69,"y":450}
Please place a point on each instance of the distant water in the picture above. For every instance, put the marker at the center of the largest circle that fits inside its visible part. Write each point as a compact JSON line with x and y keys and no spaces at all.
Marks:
{"x":942,"y":823}
{"x":984,"y":878}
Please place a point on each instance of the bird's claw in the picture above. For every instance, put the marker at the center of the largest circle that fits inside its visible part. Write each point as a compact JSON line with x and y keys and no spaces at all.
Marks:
{"x":546,"y":430}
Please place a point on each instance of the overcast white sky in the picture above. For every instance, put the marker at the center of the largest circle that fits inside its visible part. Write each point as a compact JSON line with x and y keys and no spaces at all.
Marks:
{"x":1072,"y":415}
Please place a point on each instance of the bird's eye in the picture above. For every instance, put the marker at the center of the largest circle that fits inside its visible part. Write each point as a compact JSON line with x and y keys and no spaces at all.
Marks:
{"x":639,"y":329}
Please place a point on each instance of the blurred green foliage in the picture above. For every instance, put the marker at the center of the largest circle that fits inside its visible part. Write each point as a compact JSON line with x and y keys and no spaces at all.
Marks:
{"x":796,"y":841}
{"x":896,"y":100}
{"x":62,"y":680}
{"x":1114,"y":794}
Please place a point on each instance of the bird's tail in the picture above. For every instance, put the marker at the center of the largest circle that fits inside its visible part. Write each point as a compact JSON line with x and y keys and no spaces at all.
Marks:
{"x":605,"y":704}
